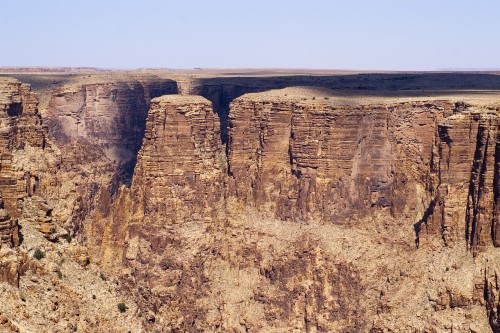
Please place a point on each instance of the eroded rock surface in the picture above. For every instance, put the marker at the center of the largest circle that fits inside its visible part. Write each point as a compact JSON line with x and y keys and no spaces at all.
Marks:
{"x":98,"y":124}
{"x":341,"y":187}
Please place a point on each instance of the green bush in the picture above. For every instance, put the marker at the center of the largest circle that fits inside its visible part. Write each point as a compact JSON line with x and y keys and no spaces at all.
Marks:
{"x":122,"y":307}
{"x":103,"y":277}
{"x":59,"y":274}
{"x":39,"y":254}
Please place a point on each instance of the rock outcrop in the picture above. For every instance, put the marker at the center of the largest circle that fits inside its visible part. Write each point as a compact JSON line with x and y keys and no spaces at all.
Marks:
{"x":98,"y":124}
{"x":177,"y":178}
{"x":108,"y":115}
{"x":22,"y":135}
{"x":322,"y":166}
{"x":321,"y":160}
{"x":173,"y":203}
{"x":432,"y":162}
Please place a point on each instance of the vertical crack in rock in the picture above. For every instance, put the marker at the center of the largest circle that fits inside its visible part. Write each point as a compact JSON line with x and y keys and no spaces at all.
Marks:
{"x":99,"y":125}
{"x":495,"y":228}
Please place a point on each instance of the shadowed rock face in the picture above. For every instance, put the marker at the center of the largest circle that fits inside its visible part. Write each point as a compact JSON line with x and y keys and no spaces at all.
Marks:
{"x":106,"y":116}
{"x":98,"y":125}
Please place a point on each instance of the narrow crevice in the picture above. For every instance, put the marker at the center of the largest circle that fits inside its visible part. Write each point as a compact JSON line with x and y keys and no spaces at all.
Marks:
{"x":496,"y":191}
{"x":476,"y":187}
{"x":423,"y":221}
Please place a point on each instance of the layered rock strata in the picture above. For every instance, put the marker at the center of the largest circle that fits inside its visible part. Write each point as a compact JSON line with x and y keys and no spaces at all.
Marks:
{"x":98,"y":124}
{"x":432,"y":162}
{"x":108,"y":115}
{"x":177,"y":180}
{"x":306,"y":222}
{"x":22,"y":137}
{"x":317,"y":162}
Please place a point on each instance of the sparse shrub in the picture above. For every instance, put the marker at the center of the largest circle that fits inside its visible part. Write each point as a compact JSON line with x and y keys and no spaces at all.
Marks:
{"x":327,"y":98}
{"x":314,"y":97}
{"x":303,"y":98}
{"x":103,"y":277}
{"x":122,"y":307}
{"x":39,"y":254}
{"x":75,"y":328}
{"x":68,"y":238}
{"x":93,"y":297}
{"x":59,"y":274}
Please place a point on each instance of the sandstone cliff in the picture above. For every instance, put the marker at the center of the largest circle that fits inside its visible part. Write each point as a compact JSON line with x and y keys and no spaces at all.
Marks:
{"x":340,"y":185}
{"x":98,"y":124}
{"x":310,"y":210}
{"x":46,"y":282}
{"x":432,"y":162}
{"x":22,"y":136}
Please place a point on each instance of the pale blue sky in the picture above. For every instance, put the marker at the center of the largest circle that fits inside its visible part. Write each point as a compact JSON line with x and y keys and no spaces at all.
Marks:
{"x":349,"y":34}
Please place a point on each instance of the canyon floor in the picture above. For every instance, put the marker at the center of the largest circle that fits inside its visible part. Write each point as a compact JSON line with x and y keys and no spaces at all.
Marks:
{"x":249,"y":200}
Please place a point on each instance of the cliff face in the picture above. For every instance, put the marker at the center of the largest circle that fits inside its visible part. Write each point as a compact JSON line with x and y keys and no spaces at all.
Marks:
{"x":21,"y":132}
{"x":108,"y":116}
{"x":21,"y":129}
{"x":466,"y":199}
{"x":312,"y":211}
{"x":159,"y":231}
{"x":319,"y":161}
{"x":22,"y":138}
{"x":46,"y":282}
{"x":434,"y":162}
{"x":98,"y":125}
{"x":298,"y":224}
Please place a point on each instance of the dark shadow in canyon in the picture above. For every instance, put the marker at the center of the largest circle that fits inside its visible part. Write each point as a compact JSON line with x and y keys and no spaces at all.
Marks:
{"x":221,"y":91}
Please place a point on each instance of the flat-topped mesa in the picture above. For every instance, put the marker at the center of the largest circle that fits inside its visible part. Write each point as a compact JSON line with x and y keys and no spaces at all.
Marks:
{"x":307,"y":154}
{"x":178,"y":168}
{"x":173,"y":203}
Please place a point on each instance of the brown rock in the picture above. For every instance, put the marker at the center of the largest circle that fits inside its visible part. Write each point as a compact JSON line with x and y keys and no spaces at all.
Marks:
{"x":9,"y":267}
{"x":45,"y":228}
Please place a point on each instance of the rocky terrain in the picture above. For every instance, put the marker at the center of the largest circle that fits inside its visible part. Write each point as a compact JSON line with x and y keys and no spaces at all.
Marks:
{"x":305,"y":203}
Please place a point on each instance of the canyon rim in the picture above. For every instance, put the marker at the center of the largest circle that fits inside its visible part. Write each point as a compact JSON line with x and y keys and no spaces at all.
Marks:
{"x":278,"y":201}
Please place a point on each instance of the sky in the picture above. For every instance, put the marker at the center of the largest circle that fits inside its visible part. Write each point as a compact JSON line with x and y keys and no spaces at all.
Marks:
{"x":311,"y":34}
